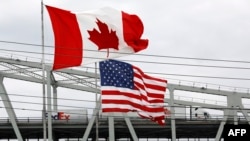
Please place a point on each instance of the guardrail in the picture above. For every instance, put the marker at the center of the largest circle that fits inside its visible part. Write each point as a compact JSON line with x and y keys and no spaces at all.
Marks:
{"x":35,"y":120}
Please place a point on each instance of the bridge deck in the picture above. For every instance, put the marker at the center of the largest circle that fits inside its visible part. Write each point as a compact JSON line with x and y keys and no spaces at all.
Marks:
{"x":144,"y":129}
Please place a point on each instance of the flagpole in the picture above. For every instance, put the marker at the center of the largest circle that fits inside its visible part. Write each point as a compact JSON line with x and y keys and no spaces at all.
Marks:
{"x":43,"y":75}
{"x":96,"y":99}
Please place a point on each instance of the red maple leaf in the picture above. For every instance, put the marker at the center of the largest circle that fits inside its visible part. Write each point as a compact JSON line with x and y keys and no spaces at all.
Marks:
{"x":104,"y":39}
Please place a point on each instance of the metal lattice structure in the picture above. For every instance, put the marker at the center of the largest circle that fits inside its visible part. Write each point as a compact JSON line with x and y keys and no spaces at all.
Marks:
{"x":110,"y":127}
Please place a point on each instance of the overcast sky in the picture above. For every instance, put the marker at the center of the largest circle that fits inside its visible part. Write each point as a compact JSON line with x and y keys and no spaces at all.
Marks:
{"x":211,"y":29}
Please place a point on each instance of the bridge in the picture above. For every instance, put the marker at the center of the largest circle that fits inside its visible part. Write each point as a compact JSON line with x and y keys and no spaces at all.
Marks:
{"x":112,"y":127}
{"x":185,"y":128}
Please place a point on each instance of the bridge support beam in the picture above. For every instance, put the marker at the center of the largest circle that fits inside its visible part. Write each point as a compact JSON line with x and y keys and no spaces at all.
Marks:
{"x":245,"y":114}
{"x":221,"y":127}
{"x":111,"y":129}
{"x":173,"y":129}
{"x":92,"y":120}
{"x":10,"y":110}
{"x":49,"y":101}
{"x":131,"y":129}
{"x":55,"y":105}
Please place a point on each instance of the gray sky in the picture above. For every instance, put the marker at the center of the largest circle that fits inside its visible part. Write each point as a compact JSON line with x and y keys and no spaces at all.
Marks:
{"x":213,"y":29}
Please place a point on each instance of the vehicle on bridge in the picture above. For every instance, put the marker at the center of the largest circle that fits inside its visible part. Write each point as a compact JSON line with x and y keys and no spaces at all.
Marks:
{"x":69,"y":115}
{"x":200,"y":113}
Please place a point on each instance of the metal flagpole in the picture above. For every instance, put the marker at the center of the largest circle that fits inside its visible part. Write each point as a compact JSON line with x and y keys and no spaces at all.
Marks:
{"x":96,"y":99}
{"x":43,"y":74}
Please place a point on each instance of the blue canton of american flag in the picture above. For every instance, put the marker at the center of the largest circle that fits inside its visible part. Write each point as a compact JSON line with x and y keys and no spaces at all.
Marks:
{"x":116,"y":73}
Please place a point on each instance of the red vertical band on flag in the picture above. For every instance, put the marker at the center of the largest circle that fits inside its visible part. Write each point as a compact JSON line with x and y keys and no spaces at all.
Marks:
{"x":68,"y":39}
{"x":132,"y":32}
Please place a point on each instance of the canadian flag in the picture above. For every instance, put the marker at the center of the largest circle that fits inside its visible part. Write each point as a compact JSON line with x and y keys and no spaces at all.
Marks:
{"x":91,"y":36}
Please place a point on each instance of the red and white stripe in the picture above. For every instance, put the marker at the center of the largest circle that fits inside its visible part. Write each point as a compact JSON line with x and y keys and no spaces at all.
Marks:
{"x":147,"y":98}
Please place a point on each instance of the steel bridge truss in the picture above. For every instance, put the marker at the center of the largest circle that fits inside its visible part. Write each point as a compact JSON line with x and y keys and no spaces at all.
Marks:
{"x":85,"y":81}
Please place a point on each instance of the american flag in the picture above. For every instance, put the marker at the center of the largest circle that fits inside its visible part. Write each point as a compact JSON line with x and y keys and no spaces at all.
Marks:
{"x":125,"y":88}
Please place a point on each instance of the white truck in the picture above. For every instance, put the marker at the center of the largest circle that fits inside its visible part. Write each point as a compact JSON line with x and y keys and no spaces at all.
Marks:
{"x":69,"y":115}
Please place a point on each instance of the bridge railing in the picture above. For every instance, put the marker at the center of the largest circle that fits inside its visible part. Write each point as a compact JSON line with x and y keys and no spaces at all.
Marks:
{"x":210,"y":86}
{"x":34,"y":120}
